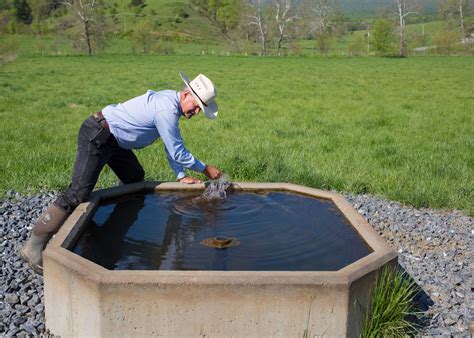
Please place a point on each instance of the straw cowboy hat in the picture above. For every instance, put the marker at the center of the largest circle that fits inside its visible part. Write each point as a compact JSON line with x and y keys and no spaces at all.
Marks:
{"x":203,"y":90}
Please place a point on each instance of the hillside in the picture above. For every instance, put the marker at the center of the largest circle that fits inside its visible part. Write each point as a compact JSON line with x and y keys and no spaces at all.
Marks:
{"x":367,"y":8}
{"x":174,"y":18}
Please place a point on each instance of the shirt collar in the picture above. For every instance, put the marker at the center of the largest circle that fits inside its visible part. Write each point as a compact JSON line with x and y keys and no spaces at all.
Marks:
{"x":180,"y":111}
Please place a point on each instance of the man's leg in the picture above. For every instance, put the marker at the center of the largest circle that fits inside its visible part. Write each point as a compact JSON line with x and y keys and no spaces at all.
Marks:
{"x":126,"y":166}
{"x":90,"y":160}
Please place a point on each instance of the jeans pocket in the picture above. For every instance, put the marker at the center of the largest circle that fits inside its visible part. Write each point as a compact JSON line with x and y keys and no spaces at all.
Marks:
{"x":100,"y":137}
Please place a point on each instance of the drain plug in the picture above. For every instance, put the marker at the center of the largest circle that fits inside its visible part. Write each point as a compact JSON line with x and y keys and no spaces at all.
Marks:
{"x":220,"y":242}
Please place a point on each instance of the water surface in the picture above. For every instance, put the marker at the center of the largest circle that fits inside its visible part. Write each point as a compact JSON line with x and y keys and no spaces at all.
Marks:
{"x":276,"y":231}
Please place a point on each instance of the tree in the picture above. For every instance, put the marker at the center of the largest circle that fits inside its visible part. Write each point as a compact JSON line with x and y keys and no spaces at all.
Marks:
{"x":284,"y":15}
{"x":451,"y":9}
{"x":322,"y":11}
{"x":41,"y":10}
{"x":258,"y":19}
{"x":382,"y":35}
{"x":228,"y":14}
{"x":404,"y":8}
{"x":22,"y":11}
{"x":86,"y":11}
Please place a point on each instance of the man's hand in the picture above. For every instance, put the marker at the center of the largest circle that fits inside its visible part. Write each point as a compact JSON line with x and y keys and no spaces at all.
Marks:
{"x":189,"y":180}
{"x":212,"y":172}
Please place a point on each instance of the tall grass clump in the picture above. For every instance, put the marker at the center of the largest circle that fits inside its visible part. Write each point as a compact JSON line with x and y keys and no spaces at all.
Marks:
{"x":391,"y":311}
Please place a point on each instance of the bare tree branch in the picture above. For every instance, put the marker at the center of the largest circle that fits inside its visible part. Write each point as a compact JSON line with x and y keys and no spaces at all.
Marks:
{"x":258,"y":20}
{"x":322,"y":11}
{"x":404,"y":8}
{"x":85,"y":12}
{"x":283,"y":18}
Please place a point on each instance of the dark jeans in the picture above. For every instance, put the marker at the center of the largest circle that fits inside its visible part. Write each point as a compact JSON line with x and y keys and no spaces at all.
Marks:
{"x":96,"y":147}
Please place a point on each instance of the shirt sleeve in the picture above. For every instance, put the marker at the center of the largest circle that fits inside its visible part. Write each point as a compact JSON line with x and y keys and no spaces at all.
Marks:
{"x":178,"y":169}
{"x":178,"y":156}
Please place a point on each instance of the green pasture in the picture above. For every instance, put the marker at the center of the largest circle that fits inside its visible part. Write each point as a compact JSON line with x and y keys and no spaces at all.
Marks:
{"x":398,"y":128}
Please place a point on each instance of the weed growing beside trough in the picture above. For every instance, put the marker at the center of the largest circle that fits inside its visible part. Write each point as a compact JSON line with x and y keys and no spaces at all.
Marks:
{"x":391,"y":310}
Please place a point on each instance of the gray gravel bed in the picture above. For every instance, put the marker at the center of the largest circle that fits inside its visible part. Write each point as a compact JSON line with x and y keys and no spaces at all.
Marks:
{"x":434,"y":247}
{"x":21,"y":290}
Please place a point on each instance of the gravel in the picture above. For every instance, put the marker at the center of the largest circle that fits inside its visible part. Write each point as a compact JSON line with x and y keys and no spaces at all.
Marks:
{"x":434,"y":247}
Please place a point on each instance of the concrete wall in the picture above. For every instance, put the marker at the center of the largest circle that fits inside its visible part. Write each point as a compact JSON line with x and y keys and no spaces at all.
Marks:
{"x":72,"y":301}
{"x":84,"y":299}
{"x":216,"y":311}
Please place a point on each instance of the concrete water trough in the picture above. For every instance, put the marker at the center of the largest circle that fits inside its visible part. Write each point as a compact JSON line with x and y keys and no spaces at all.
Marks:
{"x":84,"y":298}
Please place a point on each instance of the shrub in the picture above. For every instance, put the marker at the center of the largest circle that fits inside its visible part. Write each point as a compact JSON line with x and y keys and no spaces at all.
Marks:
{"x":162,"y":47}
{"x":383,"y":36}
{"x":142,"y":37}
{"x":8,"y":49}
{"x":357,"y":46}
{"x":391,"y":306}
{"x":6,"y":20}
{"x":446,"y":42}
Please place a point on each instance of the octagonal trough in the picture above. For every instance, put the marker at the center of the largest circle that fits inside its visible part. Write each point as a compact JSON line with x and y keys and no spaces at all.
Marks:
{"x":85,"y":298}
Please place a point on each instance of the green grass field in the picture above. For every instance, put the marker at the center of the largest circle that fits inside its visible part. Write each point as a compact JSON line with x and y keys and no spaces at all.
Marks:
{"x":399,"y":128}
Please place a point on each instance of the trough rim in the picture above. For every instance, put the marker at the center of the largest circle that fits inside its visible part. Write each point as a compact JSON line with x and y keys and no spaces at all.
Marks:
{"x":57,"y":248}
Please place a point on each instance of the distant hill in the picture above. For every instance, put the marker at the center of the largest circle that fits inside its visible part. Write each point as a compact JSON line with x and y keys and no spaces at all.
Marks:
{"x":370,"y":8}
{"x":364,"y":8}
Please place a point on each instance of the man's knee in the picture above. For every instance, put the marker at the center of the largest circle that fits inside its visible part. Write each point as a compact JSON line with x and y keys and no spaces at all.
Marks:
{"x":69,"y":200}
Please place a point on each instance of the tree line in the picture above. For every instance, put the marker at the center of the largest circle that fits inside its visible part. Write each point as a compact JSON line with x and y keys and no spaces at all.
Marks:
{"x":271,"y":26}
{"x":278,"y":23}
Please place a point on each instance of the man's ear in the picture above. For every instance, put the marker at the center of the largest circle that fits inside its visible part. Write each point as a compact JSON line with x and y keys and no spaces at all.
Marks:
{"x":184,"y":94}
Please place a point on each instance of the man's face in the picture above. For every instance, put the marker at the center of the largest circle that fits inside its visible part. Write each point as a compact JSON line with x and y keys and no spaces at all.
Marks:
{"x":189,"y":105}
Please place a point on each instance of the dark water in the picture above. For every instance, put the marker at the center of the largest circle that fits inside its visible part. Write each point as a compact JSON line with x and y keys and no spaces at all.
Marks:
{"x":276,"y":231}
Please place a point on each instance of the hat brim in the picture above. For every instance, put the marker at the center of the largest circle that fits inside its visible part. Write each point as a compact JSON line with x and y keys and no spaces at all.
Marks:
{"x":210,"y":110}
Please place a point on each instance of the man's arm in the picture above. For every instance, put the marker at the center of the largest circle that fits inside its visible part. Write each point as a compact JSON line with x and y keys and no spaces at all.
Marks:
{"x":210,"y":171}
{"x":177,"y":168}
{"x":178,"y":156}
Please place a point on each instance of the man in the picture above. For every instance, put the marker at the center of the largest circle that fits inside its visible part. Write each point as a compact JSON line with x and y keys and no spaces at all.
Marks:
{"x":109,"y":136}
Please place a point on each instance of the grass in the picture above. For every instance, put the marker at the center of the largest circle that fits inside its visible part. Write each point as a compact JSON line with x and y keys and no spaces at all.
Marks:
{"x":399,"y":128}
{"x":391,"y":306}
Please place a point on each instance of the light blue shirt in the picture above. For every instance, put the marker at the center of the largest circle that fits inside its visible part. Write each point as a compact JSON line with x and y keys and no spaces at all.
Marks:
{"x":138,"y":122}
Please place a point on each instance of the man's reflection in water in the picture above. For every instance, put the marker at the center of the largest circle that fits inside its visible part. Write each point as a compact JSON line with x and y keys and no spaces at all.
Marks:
{"x":196,"y":218}
{"x":182,"y":227}
{"x":106,"y":244}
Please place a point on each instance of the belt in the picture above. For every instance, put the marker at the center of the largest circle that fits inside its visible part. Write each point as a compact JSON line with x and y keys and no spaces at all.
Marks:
{"x":99,"y":117}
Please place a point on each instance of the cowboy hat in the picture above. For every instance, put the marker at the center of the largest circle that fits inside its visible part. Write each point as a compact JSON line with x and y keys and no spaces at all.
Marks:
{"x":203,"y":90}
